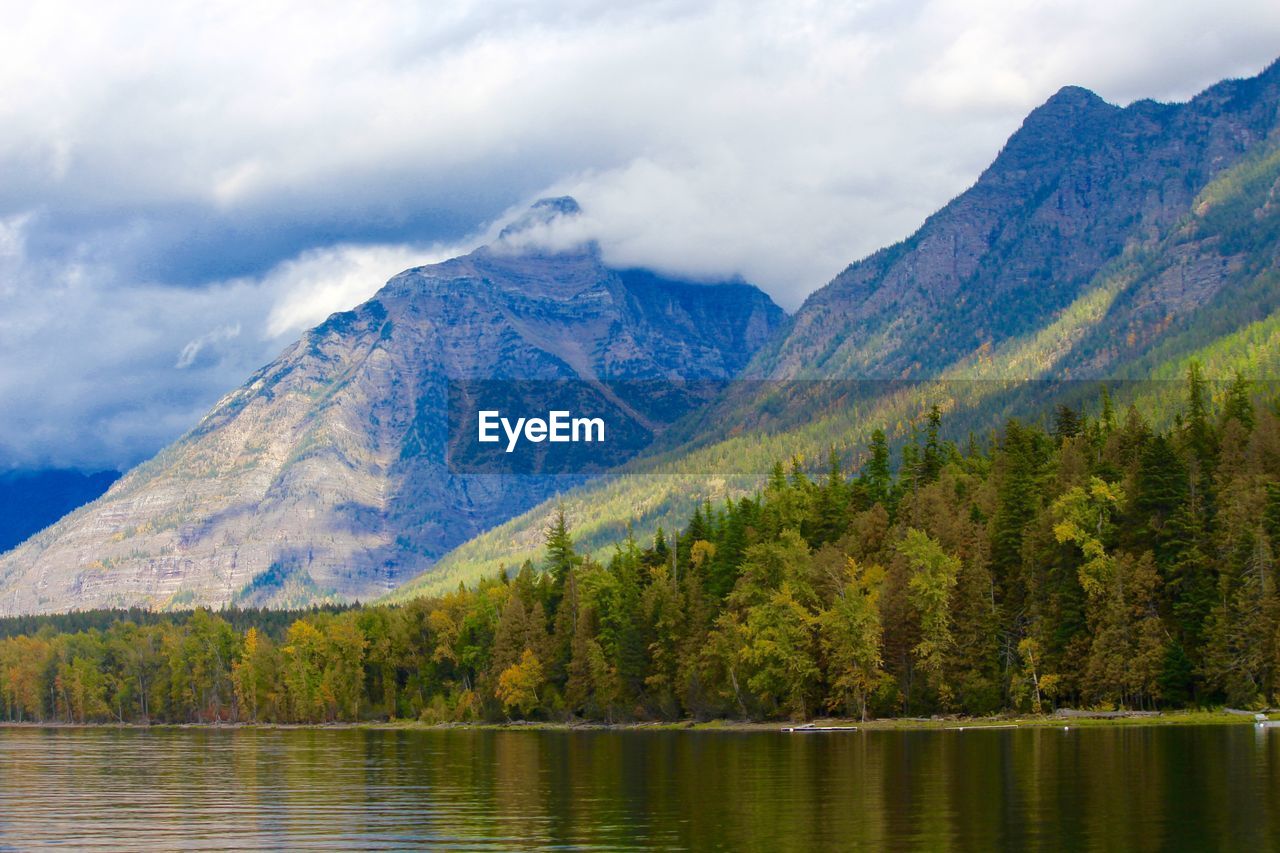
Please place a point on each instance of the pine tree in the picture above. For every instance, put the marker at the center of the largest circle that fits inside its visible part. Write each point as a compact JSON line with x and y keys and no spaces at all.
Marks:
{"x":575,"y":633}
{"x":1191,"y":586}
{"x":876,"y":477}
{"x":1240,"y":658}
{"x":1020,"y":467}
{"x":1197,"y":429}
{"x":561,"y":558}
{"x":521,"y":627}
{"x":974,"y":660}
{"x":831,"y":506}
{"x":1161,"y":491}
{"x":621,"y":629}
{"x":663,"y":625}
{"x":1238,"y":405}
{"x":1066,"y":422}
{"x":932,"y":458}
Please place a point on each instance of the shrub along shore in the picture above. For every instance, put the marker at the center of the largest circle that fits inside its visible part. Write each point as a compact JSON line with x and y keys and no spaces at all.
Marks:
{"x":1096,"y":563}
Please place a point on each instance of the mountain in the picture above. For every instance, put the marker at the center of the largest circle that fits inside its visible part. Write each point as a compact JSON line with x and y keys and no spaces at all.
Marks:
{"x":1080,"y":182}
{"x":324,"y":476}
{"x":1103,"y":242}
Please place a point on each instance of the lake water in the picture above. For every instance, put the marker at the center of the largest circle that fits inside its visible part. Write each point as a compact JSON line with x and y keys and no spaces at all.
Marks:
{"x":1157,"y":788}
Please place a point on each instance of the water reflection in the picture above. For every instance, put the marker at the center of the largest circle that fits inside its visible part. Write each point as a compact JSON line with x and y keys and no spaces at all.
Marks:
{"x":1157,"y":788}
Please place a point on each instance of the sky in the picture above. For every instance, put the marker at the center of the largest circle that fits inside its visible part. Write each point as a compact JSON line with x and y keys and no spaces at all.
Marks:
{"x":185,"y":187}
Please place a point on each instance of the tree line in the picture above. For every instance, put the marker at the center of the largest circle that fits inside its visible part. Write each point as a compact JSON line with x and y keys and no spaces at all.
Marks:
{"x":1097,"y":561}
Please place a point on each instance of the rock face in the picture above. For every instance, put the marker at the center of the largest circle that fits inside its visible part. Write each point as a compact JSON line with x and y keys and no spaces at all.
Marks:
{"x":324,"y":476}
{"x":1080,"y":182}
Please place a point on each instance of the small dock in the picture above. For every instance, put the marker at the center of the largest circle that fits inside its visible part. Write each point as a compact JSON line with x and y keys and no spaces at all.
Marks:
{"x":808,"y":728}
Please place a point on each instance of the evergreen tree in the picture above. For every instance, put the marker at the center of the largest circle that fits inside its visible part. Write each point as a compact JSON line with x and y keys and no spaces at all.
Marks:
{"x":1198,"y":432}
{"x":876,"y":477}
{"x":1161,"y":491}
{"x":933,"y":457}
{"x":561,"y":557}
{"x":1238,"y":405}
{"x":1066,"y":422}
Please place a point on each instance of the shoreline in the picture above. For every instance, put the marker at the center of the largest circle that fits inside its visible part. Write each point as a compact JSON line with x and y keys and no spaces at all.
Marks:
{"x":1004,"y":723}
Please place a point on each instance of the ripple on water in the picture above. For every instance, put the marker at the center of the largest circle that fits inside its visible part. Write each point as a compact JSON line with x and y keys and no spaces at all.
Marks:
{"x":161,"y":789}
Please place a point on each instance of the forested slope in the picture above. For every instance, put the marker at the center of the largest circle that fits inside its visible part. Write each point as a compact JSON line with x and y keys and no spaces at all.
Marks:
{"x":1102,"y":244}
{"x":1100,"y":562}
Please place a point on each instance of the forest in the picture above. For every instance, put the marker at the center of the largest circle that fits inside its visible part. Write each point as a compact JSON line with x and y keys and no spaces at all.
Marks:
{"x":1088,"y":560}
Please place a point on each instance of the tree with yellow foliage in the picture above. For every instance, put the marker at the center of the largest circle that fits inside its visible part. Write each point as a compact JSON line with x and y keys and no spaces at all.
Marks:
{"x":518,"y":685}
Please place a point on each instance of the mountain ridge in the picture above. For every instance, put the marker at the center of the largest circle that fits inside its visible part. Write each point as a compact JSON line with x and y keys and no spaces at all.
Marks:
{"x":1044,"y":187}
{"x":323,"y":476}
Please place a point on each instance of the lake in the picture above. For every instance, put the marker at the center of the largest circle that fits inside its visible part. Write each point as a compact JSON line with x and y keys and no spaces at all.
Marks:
{"x":1140,"y":788}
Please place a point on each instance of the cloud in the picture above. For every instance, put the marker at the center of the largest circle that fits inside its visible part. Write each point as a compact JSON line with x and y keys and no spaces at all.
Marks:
{"x":169,"y":173}
{"x":12,"y":244}
{"x":321,"y":281}
{"x":196,"y":346}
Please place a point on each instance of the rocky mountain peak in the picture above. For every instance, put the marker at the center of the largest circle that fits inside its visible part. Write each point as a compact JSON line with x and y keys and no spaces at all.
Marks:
{"x":542,"y":212}
{"x":1069,"y":98}
{"x":1073,"y":118}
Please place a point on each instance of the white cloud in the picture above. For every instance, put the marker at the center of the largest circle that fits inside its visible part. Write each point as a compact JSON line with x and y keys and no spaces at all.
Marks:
{"x":195,"y":346}
{"x":169,"y":172}
{"x":12,"y":240}
{"x":309,"y":288}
